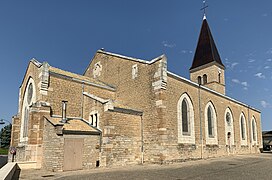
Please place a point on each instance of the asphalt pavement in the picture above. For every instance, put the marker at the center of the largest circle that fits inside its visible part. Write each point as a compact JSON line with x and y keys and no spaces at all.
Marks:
{"x":232,"y":167}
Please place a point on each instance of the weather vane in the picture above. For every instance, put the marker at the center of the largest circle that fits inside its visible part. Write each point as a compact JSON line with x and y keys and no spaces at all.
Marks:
{"x":204,"y":7}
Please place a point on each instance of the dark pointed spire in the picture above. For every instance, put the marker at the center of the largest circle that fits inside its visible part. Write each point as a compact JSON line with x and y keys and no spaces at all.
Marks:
{"x":206,"y":51}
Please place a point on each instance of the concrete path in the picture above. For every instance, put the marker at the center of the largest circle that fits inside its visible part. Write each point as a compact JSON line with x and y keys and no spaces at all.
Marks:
{"x":232,"y":167}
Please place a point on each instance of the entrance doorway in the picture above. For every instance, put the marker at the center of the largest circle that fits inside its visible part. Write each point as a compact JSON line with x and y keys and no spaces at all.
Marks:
{"x":73,"y":154}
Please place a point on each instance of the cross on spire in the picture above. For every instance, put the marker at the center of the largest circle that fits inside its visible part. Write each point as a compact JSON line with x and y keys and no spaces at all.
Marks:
{"x":204,"y":8}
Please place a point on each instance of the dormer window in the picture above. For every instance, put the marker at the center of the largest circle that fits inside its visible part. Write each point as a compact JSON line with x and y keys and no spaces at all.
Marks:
{"x":199,"y":80}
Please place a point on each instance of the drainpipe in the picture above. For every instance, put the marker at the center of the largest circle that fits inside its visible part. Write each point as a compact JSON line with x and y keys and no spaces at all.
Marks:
{"x":142,"y":141}
{"x":200,"y":121}
{"x":64,"y":109}
{"x":249,"y":129}
{"x":82,"y":100}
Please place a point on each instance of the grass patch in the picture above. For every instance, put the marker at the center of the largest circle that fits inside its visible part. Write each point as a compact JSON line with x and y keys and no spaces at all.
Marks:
{"x":3,"y":151}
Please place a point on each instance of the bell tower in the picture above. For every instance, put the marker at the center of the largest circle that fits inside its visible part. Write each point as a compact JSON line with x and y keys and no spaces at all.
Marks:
{"x":207,"y":68}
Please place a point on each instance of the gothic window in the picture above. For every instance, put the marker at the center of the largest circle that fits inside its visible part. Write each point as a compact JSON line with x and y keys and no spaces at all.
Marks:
{"x":185,"y":116}
{"x":28,"y":99}
{"x":254,"y":134}
{"x":210,"y":122}
{"x":185,"y":110}
{"x":205,"y":79}
{"x":199,"y":80}
{"x":243,"y":128}
{"x":219,"y":77}
{"x":29,"y":93}
{"x":134,"y":71}
{"x":25,"y":127}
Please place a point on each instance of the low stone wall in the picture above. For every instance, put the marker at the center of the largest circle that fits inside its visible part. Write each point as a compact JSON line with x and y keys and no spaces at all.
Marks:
{"x":8,"y":171}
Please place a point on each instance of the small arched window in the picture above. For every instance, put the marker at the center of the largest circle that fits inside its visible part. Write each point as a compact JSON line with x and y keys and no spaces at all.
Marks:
{"x":185,"y":116}
{"x":205,"y":80}
{"x":210,"y":122}
{"x":219,"y":77}
{"x":199,"y":80}
{"x":243,"y":128}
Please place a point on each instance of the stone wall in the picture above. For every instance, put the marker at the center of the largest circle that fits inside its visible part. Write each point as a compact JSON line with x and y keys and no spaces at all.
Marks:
{"x":174,"y":151}
{"x":53,"y":149}
{"x":121,"y":139}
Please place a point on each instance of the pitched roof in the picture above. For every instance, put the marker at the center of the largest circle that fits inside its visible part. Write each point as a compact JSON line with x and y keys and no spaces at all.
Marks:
{"x":206,"y":51}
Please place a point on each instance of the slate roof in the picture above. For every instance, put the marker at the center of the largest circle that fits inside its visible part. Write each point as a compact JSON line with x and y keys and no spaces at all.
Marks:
{"x":206,"y":51}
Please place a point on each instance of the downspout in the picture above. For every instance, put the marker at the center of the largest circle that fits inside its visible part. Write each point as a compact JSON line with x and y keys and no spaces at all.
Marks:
{"x":82,"y":100}
{"x":200,"y":121}
{"x":142,"y":141}
{"x":249,"y":128}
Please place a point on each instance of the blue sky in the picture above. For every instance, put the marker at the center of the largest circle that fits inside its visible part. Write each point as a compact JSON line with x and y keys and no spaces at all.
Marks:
{"x":67,"y":34}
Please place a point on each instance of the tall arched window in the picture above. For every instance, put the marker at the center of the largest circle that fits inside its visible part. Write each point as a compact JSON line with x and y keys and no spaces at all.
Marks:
{"x":243,"y":128}
{"x":205,"y":80}
{"x":185,"y":114}
{"x":229,"y":130}
{"x":199,"y":80}
{"x":254,"y":130}
{"x":210,"y":124}
{"x":28,"y":99}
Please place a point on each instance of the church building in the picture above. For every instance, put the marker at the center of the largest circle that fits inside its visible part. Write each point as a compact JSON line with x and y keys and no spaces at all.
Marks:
{"x":125,"y":110}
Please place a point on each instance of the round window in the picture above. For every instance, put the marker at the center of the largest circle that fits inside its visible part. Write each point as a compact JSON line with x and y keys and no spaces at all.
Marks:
{"x":29,"y":93}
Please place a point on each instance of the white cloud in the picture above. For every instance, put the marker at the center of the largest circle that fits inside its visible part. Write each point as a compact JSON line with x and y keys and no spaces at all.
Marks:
{"x":265,"y":104}
{"x":234,"y":64}
{"x":264,"y":15}
{"x":266,"y":67}
{"x":251,"y":60}
{"x":269,"y":51}
{"x":184,"y":51}
{"x":235,"y":81}
{"x":260,"y":75}
{"x":269,"y":60}
{"x":169,"y":45}
{"x":244,"y":84}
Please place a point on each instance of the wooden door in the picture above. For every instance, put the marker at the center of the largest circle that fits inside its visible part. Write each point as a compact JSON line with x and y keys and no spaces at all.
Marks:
{"x":73,"y":154}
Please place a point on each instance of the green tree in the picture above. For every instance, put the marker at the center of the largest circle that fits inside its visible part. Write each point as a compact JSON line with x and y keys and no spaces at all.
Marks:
{"x":5,"y":135}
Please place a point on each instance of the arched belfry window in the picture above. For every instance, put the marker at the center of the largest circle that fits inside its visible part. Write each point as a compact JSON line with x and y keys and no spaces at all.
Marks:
{"x":28,"y":100}
{"x":185,"y":114}
{"x":199,"y":80}
{"x":205,"y":80}
{"x":210,"y":124}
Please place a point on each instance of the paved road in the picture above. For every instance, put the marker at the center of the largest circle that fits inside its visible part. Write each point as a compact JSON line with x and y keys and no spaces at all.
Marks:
{"x":3,"y":160}
{"x":236,"y":167}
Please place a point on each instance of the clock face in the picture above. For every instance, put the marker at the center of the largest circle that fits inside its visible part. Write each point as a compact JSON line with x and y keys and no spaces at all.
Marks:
{"x":29,"y":93}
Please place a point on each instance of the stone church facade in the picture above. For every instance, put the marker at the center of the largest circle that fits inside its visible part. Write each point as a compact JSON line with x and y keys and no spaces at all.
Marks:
{"x":124,"y":110}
